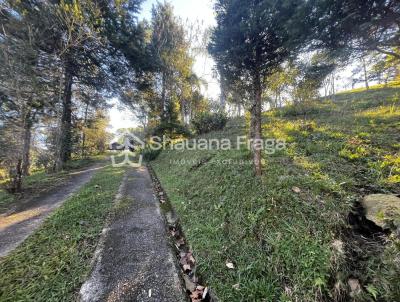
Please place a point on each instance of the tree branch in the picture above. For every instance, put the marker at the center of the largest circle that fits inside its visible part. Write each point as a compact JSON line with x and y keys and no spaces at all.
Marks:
{"x":386,"y":52}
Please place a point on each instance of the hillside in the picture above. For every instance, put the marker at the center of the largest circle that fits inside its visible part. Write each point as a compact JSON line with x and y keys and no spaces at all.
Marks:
{"x":290,"y":235}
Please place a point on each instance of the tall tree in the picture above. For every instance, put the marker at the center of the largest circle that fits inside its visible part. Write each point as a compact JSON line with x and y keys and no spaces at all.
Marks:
{"x":170,"y":52}
{"x":51,"y":51}
{"x":250,"y":41}
{"x":24,"y":87}
{"x":167,"y":87}
{"x":81,"y":50}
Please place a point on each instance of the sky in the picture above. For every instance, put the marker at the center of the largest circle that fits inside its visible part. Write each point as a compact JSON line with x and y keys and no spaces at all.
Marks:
{"x":199,"y":11}
{"x":193,"y":11}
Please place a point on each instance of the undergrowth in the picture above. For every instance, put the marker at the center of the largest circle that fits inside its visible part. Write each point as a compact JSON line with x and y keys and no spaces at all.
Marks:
{"x":287,"y":232}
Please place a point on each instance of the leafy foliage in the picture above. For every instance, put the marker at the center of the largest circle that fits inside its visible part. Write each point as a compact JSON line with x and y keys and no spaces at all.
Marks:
{"x":171,"y":130}
{"x":207,"y":122}
{"x":357,"y":25}
{"x":57,"y":58}
{"x":150,"y":154}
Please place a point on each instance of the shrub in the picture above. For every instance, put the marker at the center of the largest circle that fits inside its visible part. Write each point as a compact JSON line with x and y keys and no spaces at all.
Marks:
{"x":43,"y":160}
{"x":206,"y":122}
{"x":3,"y":174}
{"x":172,"y":130}
{"x":150,"y":154}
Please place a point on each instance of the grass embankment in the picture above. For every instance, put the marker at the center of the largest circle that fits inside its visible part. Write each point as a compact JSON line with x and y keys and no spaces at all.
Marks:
{"x":41,"y":181}
{"x":289,"y":246}
{"x":53,"y":262}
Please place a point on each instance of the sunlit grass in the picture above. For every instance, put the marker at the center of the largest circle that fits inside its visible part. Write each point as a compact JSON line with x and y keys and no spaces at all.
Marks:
{"x":280,"y":241}
{"x":41,"y":181}
{"x":393,"y":84}
{"x":53,"y":262}
{"x":19,"y":217}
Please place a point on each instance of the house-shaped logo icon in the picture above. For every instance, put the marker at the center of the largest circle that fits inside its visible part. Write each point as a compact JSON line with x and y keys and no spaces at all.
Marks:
{"x":130,"y":147}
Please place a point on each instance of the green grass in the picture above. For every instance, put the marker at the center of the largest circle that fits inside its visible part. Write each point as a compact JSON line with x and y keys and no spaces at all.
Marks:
{"x":53,"y":262}
{"x":40,"y":181}
{"x":282,"y":242}
{"x":84,"y":162}
{"x":5,"y":199}
{"x":34,"y":184}
{"x":381,"y":87}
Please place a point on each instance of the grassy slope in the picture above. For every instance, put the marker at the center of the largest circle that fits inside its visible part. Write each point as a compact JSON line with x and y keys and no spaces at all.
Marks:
{"x":53,"y":262}
{"x":40,"y":181}
{"x":283,"y":243}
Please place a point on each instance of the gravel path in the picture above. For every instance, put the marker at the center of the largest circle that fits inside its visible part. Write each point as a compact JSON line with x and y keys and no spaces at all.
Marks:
{"x":18,"y":224}
{"x":134,"y":261}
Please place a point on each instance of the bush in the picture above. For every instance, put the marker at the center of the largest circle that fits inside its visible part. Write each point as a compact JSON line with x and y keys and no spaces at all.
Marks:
{"x":43,"y":160}
{"x":150,"y":154}
{"x":172,"y":130}
{"x":315,"y":107}
{"x":207,"y":122}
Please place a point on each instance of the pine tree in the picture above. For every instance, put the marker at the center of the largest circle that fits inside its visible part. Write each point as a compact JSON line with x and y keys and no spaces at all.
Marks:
{"x":251,"y":40}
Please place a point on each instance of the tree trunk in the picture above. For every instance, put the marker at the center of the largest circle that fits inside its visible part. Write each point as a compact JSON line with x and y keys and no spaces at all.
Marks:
{"x":183,"y":114}
{"x":365,"y":74}
{"x":66,"y":120}
{"x":256,"y":125}
{"x":27,"y":135}
{"x":333,"y":88}
{"x":326,"y":88}
{"x":83,"y":131}
{"x":389,"y":53}
{"x":190,"y":114}
{"x":222,"y":97}
{"x":16,"y":178}
{"x":65,"y":150}
{"x":164,"y":112}
{"x":252,"y":122}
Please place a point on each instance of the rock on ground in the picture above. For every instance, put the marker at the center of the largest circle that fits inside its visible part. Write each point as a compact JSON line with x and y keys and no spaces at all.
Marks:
{"x":383,"y":210}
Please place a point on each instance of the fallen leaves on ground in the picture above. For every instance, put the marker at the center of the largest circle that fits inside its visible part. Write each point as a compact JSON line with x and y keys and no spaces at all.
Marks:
{"x":180,"y":242}
{"x":187,"y":260}
{"x":189,"y":284}
{"x":199,"y":294}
